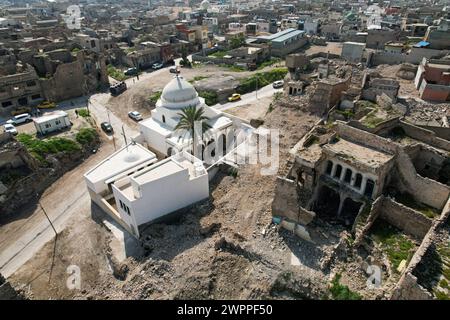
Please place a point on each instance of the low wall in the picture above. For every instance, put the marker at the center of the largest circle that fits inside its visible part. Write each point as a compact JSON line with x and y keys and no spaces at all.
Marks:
{"x":415,"y":56}
{"x":440,"y":132}
{"x":424,"y":135}
{"x":405,"y":218}
{"x":367,"y":138}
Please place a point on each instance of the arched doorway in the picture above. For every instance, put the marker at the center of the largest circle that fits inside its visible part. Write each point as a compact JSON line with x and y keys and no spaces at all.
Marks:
{"x":370,"y":186}
{"x":349,"y":211}
{"x":327,"y":203}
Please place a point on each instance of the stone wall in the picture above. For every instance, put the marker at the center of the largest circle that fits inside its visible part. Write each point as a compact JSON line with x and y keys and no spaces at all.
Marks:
{"x":366,"y":138}
{"x":285,"y":203}
{"x":407,"y":287}
{"x":426,"y":136}
{"x":424,"y":190}
{"x":405,"y":218}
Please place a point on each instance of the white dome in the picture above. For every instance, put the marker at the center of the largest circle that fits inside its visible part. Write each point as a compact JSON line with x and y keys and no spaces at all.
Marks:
{"x":205,"y":4}
{"x":179,"y":93}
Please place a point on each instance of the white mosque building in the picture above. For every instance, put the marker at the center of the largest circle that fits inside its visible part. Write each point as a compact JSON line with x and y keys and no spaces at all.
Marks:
{"x":159,"y":131}
{"x":156,"y":174}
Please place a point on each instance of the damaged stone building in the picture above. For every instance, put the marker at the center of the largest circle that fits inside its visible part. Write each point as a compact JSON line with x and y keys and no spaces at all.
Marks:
{"x":54,"y":75}
{"x":356,"y":178}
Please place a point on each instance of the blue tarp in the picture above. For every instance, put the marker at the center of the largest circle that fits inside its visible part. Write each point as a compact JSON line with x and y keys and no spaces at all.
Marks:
{"x":422,"y":44}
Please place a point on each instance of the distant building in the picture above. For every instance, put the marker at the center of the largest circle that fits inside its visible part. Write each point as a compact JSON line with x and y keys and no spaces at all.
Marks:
{"x":284,"y":42}
{"x":353,"y":51}
{"x":433,"y":80}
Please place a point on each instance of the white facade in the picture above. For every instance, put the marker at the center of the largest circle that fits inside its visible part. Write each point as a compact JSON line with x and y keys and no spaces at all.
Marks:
{"x":311,"y":27}
{"x":159,"y":130}
{"x":134,"y":189}
{"x":51,"y":121}
{"x":166,"y":186}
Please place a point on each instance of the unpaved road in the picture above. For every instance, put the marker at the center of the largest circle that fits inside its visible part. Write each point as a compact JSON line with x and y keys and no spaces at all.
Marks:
{"x":27,"y":232}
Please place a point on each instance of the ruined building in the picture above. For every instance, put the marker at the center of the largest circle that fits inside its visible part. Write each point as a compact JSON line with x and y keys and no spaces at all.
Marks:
{"x":395,"y":175}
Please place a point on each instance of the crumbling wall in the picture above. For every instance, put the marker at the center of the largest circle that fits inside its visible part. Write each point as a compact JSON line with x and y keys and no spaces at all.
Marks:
{"x":425,"y":190}
{"x":286,"y":203}
{"x":408,"y":287}
{"x":363,"y":224}
{"x":368,"y":139}
{"x":426,"y":136}
{"x":405,"y":218}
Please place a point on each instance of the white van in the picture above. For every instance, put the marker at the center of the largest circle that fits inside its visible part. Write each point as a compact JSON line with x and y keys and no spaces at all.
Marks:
{"x":20,"y":118}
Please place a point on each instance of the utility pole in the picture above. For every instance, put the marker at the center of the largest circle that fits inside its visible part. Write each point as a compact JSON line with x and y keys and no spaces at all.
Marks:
{"x":257,"y":79}
{"x":124,"y":137}
{"x":114,"y":139}
{"x":45,"y":213}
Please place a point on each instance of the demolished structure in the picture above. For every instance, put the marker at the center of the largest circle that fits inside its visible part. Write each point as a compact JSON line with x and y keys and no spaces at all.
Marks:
{"x":358,"y":178}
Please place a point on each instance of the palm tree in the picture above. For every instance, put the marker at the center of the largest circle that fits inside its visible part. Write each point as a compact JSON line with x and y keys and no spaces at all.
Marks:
{"x":188,"y":117}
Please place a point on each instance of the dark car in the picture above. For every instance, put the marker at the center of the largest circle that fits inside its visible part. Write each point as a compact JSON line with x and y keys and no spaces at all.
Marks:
{"x":107,"y":127}
{"x":117,"y":88}
{"x":131,"y":72}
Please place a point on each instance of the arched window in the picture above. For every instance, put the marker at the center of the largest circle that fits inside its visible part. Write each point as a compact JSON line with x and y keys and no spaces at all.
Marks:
{"x":358,"y":180}
{"x":348,"y":175}
{"x":163,"y":119}
{"x":329,"y":167}
{"x":338,"y":172}
{"x":370,"y":185}
{"x":223,"y":140}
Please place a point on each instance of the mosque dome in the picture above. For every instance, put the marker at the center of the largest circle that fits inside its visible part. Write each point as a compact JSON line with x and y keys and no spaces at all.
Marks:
{"x":179,"y":93}
{"x":205,"y":4}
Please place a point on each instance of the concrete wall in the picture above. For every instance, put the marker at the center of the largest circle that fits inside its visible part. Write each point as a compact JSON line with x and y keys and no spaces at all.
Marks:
{"x":410,"y":221}
{"x":415,"y":56}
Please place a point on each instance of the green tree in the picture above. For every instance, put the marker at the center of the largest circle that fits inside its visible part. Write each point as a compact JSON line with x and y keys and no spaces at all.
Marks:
{"x":188,"y":117}
{"x":237,"y":41}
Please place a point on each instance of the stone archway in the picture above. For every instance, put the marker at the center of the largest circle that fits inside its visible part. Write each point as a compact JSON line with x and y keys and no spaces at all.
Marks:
{"x":327,"y":203}
{"x":349,"y":211}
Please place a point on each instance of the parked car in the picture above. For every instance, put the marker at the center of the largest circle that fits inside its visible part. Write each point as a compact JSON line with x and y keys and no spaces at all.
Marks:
{"x":278,"y":84}
{"x":47,"y":105}
{"x":173,"y":70}
{"x":20,"y":118}
{"x":135,"y":115}
{"x":107,"y":127}
{"x":131,"y":72}
{"x":234,"y":97}
{"x":10,"y":128}
{"x":118,"y":88}
{"x":157,"y":66}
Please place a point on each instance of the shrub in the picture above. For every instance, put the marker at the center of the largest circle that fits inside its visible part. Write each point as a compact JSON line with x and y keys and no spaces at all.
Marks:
{"x":261,"y":79}
{"x":86,"y":136}
{"x":210,"y":97}
{"x":41,"y":148}
{"x":83,"y":113}
{"x":155,"y":96}
{"x":116,"y":73}
{"x":342,"y":292}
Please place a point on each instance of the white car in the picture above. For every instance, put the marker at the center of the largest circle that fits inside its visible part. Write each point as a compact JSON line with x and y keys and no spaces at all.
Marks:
{"x":10,"y":128}
{"x":157,"y":66}
{"x":135,"y":115}
{"x":278,"y":84}
{"x":20,"y":118}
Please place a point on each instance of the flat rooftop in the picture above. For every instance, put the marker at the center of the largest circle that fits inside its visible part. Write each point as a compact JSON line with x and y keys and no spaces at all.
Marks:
{"x":352,"y":152}
{"x":158,"y":171}
{"x":50,"y":116}
{"x":122,"y":160}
